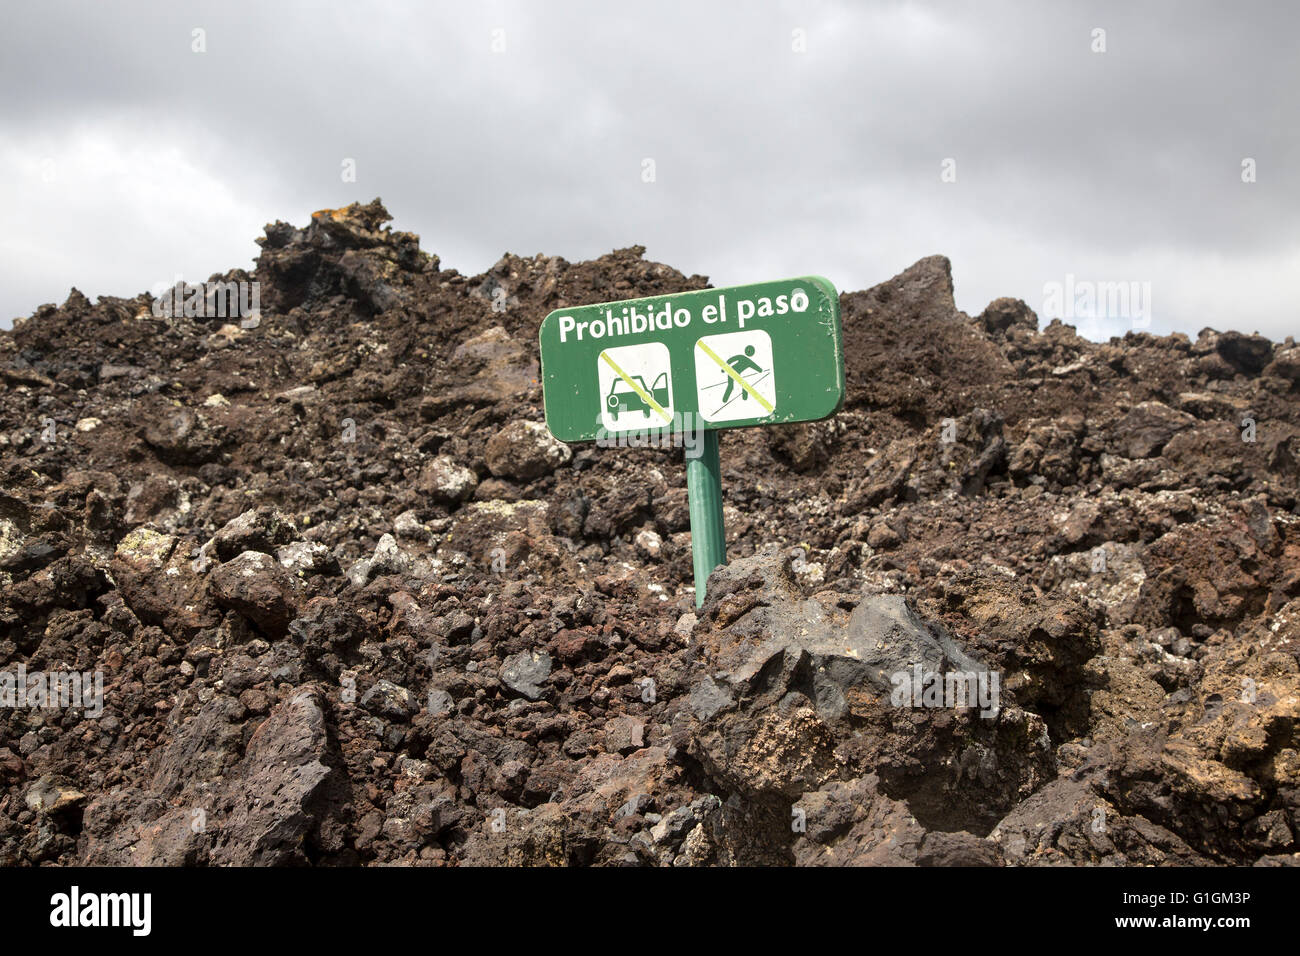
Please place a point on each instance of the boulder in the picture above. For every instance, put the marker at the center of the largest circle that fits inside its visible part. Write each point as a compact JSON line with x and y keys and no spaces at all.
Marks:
{"x":1147,"y":428}
{"x":526,"y":672}
{"x":445,"y":482}
{"x":263,"y":529}
{"x":525,"y":451}
{"x":1245,"y":353}
{"x":254,"y":585}
{"x":789,"y":693}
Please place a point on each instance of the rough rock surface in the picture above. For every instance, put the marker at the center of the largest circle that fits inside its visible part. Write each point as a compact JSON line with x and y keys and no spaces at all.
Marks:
{"x":351,"y":604}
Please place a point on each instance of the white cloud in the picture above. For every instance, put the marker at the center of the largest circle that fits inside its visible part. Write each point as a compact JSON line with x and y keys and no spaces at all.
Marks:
{"x":115,"y":209}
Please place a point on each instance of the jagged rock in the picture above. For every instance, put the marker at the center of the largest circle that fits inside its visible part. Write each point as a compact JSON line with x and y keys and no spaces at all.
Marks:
{"x":179,"y":435}
{"x":388,"y":558}
{"x":624,"y":734}
{"x":408,"y":527}
{"x":499,"y":369}
{"x":956,"y":849}
{"x":1003,"y":315}
{"x":150,"y":499}
{"x":1285,"y":364}
{"x":791,"y":694}
{"x":525,"y":672}
{"x":851,"y":823}
{"x":271,"y":808}
{"x":1040,"y":647}
{"x":161,"y":584}
{"x":344,"y":251}
{"x":524,"y":451}
{"x":1145,"y":430}
{"x":1052,"y":450}
{"x":255,"y":585}
{"x":440,"y":702}
{"x":388,"y":700}
{"x":1068,"y":821}
{"x":1247,"y":353}
{"x":279,"y":798}
{"x":307,"y":557}
{"x":446,"y":482}
{"x":327,"y":626}
{"x":618,"y":509}
{"x":900,"y":334}
{"x":805,"y":447}
{"x":259,"y":529}
{"x":51,"y":796}
{"x":649,"y":543}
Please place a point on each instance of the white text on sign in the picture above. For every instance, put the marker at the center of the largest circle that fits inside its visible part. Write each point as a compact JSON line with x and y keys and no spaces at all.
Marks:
{"x":631,"y":321}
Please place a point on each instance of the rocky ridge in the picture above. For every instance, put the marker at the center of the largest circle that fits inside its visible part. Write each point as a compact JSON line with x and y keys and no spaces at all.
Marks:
{"x":352,"y":605}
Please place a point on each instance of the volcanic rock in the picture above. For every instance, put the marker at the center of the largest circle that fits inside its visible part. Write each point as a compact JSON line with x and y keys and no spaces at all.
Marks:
{"x":524,"y":451}
{"x":1100,"y":541}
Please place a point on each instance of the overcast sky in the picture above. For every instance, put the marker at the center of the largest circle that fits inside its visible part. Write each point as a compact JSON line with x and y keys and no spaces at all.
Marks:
{"x":786,"y":138}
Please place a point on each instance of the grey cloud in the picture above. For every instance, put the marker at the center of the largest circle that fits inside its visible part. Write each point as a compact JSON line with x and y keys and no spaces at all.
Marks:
{"x":1116,"y":166}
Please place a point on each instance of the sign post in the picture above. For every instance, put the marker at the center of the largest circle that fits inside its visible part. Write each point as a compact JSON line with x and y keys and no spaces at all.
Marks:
{"x":676,"y":369}
{"x":704,"y":495}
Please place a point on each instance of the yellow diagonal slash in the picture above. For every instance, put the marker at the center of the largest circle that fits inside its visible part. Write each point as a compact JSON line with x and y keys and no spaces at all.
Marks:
{"x":645,"y":396}
{"x":732,"y":372}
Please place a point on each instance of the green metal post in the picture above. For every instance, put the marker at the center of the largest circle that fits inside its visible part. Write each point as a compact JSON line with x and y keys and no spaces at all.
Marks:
{"x":704,"y":493}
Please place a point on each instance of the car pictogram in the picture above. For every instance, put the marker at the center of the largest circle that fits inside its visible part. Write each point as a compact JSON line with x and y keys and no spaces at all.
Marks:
{"x":630,"y":401}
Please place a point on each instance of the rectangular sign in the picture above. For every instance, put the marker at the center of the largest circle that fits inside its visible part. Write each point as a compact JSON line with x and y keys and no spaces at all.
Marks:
{"x":763,"y":354}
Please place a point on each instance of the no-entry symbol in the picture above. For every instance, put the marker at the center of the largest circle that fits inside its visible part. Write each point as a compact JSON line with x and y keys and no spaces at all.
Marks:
{"x":635,"y":386}
{"x":725,"y":386}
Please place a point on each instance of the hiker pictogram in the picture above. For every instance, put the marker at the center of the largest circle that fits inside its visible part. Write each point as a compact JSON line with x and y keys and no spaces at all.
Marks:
{"x":741,"y":363}
{"x":741,"y":386}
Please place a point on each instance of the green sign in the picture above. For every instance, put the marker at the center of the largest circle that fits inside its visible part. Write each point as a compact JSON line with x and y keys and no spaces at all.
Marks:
{"x":764,"y":354}
{"x":690,"y":364}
